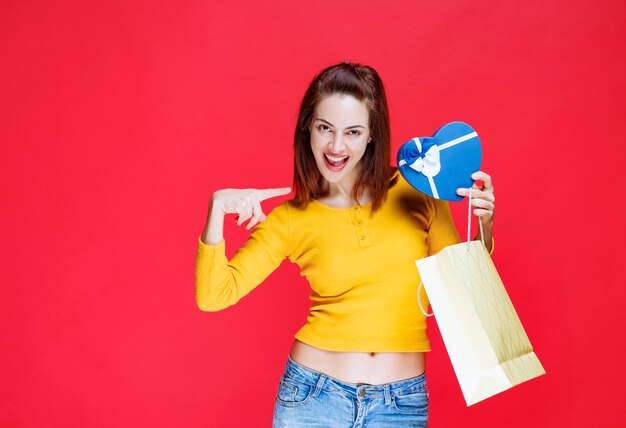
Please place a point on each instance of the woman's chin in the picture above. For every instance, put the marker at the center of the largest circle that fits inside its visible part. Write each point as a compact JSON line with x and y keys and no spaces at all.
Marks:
{"x":336,"y":177}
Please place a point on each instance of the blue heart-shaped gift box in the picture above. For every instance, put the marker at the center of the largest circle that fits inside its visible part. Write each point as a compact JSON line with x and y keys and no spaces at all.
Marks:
{"x":440,"y":164}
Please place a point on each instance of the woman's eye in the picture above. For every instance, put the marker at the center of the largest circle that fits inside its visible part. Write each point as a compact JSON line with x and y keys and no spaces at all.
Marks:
{"x":324,"y":128}
{"x":355,"y":133}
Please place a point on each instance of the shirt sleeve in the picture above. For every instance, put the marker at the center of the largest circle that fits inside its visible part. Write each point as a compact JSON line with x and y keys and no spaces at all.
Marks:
{"x":221,"y":283}
{"x":441,"y":232}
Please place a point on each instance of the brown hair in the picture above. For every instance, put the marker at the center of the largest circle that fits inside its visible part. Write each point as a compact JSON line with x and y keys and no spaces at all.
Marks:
{"x":364,"y":84}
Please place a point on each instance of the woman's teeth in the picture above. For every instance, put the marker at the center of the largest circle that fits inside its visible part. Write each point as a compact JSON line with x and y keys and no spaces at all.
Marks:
{"x":336,"y":160}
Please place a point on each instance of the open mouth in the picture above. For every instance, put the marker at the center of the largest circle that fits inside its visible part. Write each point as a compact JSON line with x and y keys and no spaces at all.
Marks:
{"x":335,"y":163}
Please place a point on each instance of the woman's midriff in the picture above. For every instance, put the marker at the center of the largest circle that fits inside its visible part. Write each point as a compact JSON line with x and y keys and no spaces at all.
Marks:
{"x":373,"y":368}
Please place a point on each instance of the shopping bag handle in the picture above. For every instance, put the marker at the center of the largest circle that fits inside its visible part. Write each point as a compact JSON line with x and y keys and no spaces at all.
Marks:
{"x":469,"y":223}
{"x":419,"y":301}
{"x":469,"y":239}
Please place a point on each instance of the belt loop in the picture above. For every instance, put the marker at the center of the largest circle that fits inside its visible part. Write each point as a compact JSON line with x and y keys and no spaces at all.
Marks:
{"x":387,"y":394}
{"x":318,"y":386}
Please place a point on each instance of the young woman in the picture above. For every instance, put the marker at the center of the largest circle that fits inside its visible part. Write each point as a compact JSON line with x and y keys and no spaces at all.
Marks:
{"x":355,"y":228}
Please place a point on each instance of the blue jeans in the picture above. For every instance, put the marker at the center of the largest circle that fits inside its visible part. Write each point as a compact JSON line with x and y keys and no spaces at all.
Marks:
{"x":308,"y":398}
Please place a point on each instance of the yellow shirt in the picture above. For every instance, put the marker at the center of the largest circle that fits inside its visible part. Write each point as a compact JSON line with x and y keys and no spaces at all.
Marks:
{"x":361,"y":268}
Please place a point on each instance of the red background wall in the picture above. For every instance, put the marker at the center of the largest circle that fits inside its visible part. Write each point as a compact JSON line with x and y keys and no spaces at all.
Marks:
{"x":119,"y":119}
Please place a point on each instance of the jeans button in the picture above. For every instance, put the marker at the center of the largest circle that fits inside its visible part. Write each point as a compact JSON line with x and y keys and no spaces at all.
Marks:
{"x":362,"y":392}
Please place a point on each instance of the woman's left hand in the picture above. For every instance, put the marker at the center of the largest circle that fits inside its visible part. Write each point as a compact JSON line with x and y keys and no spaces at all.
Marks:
{"x":482,"y":197}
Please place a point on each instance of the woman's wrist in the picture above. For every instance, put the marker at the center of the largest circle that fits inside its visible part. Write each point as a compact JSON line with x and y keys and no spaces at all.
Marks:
{"x":213,"y":232}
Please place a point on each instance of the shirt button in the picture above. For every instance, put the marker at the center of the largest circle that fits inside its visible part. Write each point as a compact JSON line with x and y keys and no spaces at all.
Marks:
{"x":362,"y":238}
{"x":362,"y":392}
{"x":360,"y":222}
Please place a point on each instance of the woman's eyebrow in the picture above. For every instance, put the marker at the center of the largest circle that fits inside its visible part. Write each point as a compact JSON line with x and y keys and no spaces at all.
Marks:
{"x":324,"y":120}
{"x":349,"y":127}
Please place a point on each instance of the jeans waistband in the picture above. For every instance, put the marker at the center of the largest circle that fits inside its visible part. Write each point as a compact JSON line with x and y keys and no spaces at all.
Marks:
{"x":329,"y":383}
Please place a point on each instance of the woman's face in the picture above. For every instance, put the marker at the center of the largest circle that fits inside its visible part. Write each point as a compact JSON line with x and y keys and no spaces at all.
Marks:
{"x":339,"y":136}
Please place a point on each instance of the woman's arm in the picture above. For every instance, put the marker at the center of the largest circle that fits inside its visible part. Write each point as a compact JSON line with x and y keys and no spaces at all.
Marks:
{"x":221,"y":283}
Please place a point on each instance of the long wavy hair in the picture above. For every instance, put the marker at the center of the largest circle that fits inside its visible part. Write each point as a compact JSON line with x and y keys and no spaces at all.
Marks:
{"x":363,"y":83}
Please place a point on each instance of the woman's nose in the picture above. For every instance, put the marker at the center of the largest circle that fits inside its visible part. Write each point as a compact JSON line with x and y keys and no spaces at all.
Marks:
{"x":337,"y":143}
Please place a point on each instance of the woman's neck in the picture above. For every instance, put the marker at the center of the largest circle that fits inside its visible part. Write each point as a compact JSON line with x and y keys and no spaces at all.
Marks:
{"x":338,"y":195}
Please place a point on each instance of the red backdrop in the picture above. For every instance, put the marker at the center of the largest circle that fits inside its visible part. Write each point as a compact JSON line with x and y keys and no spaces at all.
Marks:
{"x":119,"y":119}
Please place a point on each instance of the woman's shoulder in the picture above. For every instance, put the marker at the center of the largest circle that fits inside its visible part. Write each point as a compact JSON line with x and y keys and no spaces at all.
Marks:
{"x":405,"y":198}
{"x":289,"y":209}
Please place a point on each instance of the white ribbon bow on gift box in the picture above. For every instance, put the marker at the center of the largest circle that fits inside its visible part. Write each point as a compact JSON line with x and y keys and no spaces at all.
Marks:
{"x":422,"y":158}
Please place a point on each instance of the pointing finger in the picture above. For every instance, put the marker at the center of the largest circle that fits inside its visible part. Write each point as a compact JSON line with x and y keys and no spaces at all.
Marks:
{"x":264,"y":194}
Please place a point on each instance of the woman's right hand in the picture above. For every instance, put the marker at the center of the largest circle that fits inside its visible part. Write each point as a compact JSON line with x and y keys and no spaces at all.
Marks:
{"x":246,"y":203}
